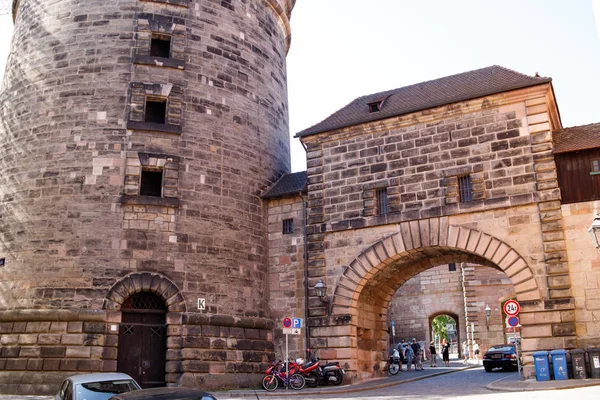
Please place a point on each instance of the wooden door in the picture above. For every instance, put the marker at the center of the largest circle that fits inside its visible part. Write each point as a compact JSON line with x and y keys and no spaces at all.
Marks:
{"x":142,"y":345}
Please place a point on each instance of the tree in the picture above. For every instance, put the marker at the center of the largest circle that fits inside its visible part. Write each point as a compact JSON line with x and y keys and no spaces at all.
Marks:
{"x":439,"y":325}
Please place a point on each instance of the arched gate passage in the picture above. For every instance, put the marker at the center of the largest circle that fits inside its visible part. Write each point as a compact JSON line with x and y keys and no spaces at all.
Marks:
{"x":356,"y":331}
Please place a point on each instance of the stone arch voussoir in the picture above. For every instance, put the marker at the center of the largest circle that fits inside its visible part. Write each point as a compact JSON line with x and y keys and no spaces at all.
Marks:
{"x":145,"y":282}
{"x":433,"y":232}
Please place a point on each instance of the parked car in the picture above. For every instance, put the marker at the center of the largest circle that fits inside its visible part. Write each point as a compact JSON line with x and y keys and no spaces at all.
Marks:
{"x":99,"y":386}
{"x":165,"y":393}
{"x":500,"y":356}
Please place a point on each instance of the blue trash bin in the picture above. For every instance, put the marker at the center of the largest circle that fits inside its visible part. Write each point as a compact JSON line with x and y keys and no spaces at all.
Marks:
{"x":559,"y":364}
{"x":542,"y":369}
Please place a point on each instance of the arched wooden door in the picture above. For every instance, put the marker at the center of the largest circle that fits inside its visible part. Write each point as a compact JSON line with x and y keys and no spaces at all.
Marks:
{"x":143,"y":339}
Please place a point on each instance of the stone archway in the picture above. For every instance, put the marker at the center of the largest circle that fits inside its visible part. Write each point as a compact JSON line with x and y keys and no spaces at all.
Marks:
{"x":145,"y":282}
{"x":366,"y":286}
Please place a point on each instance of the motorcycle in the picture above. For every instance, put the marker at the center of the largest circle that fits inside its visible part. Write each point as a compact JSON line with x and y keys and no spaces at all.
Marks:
{"x":393,"y":363}
{"x":310,"y":370}
{"x":332,"y":373}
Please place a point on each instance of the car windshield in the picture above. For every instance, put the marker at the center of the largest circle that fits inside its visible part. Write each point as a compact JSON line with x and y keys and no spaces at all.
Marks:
{"x":501,"y":348}
{"x":103,"y":390}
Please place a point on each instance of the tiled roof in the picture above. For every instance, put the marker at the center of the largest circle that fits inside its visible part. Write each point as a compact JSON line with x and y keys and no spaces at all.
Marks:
{"x":288,"y":184}
{"x":576,"y":138}
{"x":425,"y":95}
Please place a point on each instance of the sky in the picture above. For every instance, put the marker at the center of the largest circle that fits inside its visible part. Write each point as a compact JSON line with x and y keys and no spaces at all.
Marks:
{"x":344,"y":49}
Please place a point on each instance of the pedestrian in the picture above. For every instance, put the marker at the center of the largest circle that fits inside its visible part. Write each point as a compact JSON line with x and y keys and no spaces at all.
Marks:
{"x":416,"y":348}
{"x":400,"y":355}
{"x":446,"y":353}
{"x":433,"y":354}
{"x":408,"y":353}
{"x":476,"y":351}
{"x":465,"y":349}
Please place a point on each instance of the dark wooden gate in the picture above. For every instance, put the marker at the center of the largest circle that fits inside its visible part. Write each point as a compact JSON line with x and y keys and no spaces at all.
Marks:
{"x":143,"y":339}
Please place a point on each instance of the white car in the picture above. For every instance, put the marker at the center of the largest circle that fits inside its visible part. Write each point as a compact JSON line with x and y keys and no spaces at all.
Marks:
{"x":101,"y":386}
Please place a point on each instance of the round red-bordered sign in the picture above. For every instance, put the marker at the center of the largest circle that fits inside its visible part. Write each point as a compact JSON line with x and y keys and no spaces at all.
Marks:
{"x":512,"y":307}
{"x":287,"y":322}
{"x":513,"y":321}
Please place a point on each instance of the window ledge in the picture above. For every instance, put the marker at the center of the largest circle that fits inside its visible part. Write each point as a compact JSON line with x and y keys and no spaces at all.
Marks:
{"x":159,"y":61}
{"x":150,"y":201}
{"x":153,"y":126}
{"x":595,"y":173}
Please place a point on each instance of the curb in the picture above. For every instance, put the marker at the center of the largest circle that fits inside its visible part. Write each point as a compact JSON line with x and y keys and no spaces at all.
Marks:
{"x":344,"y":389}
{"x":533,"y":385}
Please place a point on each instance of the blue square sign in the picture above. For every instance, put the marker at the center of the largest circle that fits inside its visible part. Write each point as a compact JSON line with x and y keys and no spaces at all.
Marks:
{"x":297,"y":323}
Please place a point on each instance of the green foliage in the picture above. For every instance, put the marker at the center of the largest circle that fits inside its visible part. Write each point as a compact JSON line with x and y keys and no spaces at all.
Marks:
{"x":439,"y":325}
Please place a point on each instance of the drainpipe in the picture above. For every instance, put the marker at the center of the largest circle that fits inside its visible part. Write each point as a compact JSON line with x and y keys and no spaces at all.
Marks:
{"x":305,"y":259}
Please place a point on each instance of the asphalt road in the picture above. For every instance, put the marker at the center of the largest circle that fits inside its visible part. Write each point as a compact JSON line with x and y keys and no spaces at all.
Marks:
{"x":468,"y":384}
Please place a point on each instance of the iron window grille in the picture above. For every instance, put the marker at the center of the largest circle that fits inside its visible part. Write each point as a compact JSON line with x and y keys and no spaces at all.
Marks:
{"x":465,"y":189}
{"x":382,"y":201}
{"x":288,"y":226}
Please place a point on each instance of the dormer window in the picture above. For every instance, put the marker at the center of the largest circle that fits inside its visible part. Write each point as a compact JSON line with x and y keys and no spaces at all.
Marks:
{"x":160,"y":45}
{"x":375,"y":106}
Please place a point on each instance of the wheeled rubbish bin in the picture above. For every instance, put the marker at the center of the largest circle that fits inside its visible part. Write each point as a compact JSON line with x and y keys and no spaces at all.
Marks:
{"x":559,"y":364}
{"x":578,"y":362}
{"x":594,"y":354}
{"x":542,"y":369}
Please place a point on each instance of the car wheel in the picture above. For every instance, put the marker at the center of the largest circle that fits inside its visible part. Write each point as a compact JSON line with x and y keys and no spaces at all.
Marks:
{"x":487,"y":368}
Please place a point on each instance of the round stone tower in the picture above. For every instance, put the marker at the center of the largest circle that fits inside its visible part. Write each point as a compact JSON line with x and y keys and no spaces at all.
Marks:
{"x":136,"y":139}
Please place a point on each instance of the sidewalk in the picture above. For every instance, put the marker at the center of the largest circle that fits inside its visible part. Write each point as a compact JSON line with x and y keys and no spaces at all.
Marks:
{"x":512,"y":383}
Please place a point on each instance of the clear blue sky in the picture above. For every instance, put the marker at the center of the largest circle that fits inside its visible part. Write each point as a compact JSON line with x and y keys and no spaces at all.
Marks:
{"x":343,"y":49}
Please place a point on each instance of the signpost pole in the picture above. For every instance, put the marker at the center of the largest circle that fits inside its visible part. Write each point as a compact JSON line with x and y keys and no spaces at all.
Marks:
{"x":287,"y":367}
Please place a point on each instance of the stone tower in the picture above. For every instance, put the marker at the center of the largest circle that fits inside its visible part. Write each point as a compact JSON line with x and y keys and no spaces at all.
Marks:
{"x":136,"y":138}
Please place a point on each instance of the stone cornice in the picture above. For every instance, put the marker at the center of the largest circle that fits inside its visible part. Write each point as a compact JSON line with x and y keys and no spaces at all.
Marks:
{"x":284,"y":15}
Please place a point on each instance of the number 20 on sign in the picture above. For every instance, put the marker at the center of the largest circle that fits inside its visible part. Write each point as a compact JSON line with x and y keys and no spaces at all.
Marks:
{"x":512,"y":307}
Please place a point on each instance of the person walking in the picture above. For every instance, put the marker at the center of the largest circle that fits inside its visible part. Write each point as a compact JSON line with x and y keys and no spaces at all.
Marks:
{"x":408,"y":353}
{"x":446,"y":353}
{"x":433,"y":353}
{"x":416,"y":348}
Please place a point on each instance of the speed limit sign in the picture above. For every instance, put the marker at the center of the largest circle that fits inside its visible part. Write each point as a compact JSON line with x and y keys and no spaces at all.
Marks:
{"x":512,"y":307}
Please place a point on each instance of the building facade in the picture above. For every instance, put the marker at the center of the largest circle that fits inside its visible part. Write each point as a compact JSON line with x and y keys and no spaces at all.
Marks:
{"x":150,"y":224}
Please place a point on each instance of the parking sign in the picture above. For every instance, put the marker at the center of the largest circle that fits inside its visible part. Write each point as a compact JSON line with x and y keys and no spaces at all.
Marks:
{"x":297,"y":323}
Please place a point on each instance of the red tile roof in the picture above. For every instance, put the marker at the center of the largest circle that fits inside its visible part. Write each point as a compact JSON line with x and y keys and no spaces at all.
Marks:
{"x":576,"y":138}
{"x":425,"y":95}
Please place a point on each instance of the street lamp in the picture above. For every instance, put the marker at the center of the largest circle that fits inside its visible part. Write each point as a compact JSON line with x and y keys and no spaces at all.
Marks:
{"x":488,"y":313}
{"x":595,"y":231}
{"x":321,"y":291}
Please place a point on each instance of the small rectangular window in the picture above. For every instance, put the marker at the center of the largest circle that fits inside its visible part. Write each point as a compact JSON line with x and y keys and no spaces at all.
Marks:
{"x":595,"y":165}
{"x":452,"y":267}
{"x":382,"y":201}
{"x":156,"y":110}
{"x":160,"y":45}
{"x":288,"y":226}
{"x":465,"y":189}
{"x":151,"y":182}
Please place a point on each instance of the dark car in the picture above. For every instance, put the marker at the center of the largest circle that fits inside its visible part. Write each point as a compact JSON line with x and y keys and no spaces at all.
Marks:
{"x":99,"y":386}
{"x":500,"y":356}
{"x":165,"y":393}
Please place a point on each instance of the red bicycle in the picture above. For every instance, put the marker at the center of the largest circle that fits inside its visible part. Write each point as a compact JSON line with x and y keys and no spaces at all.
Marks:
{"x":276,"y":373}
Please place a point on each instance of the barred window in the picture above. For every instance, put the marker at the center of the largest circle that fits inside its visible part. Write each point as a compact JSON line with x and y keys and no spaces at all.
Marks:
{"x":465,"y":189}
{"x":382,"y":201}
{"x":288,"y":226}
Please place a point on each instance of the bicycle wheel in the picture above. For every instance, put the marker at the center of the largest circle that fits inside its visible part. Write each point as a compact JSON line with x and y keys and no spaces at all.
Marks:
{"x":393,"y":369}
{"x":297,"y":381}
{"x":270,"y":383}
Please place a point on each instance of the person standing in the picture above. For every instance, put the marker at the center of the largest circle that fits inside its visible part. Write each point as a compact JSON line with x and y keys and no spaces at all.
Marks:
{"x":400,"y":355}
{"x":408,"y":353}
{"x":446,"y":353}
{"x":416,"y":348}
{"x":433,"y":353}
{"x":476,"y":351}
{"x":465,"y":349}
